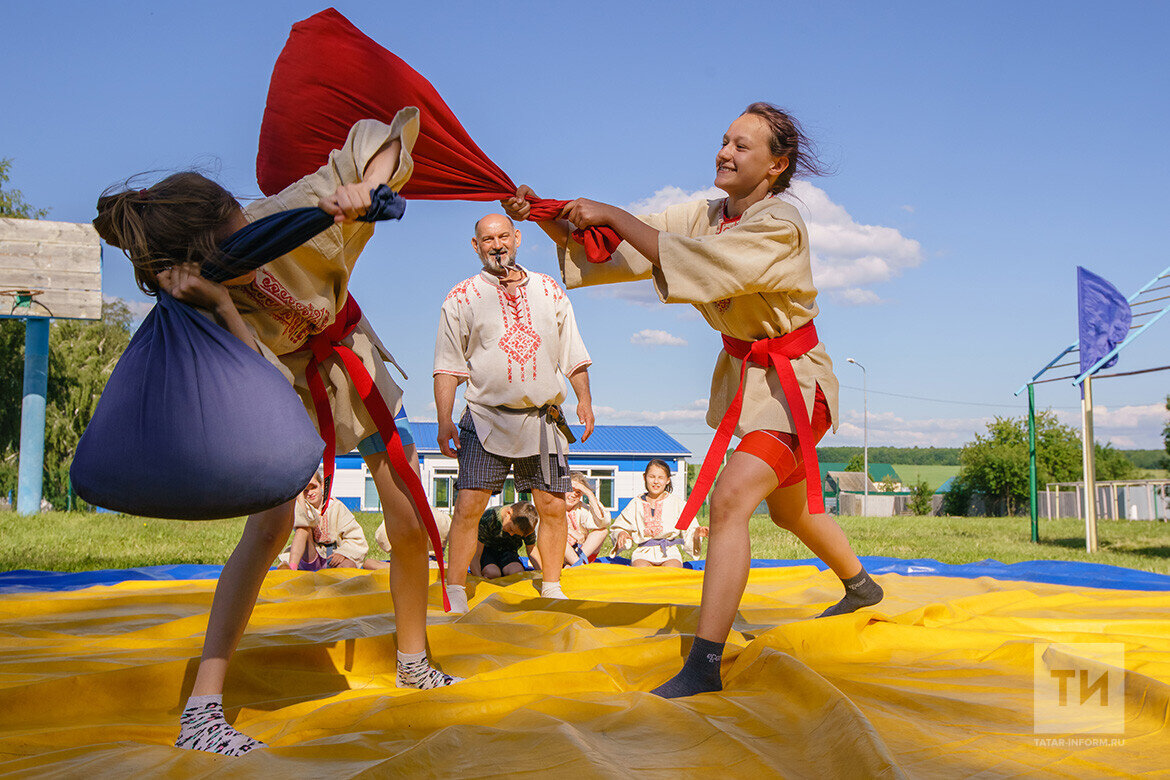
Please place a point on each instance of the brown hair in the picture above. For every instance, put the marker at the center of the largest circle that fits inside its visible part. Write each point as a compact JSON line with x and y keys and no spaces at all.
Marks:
{"x":180,"y":219}
{"x":524,"y":517}
{"x":662,"y":465}
{"x":788,"y":140}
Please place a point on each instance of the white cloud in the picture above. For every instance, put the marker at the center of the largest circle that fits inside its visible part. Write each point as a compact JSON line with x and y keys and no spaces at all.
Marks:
{"x":669,"y":196}
{"x":847,"y":255}
{"x":858,"y":296}
{"x":907,"y":208}
{"x":697,"y":410}
{"x":1128,"y":427}
{"x":657,"y":338}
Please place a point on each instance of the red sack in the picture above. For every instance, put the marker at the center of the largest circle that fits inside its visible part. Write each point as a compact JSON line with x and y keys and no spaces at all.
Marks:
{"x":329,"y":75}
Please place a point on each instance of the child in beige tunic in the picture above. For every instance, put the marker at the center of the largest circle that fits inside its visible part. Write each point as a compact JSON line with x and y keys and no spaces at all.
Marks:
{"x":743,"y":261}
{"x":168,"y":230}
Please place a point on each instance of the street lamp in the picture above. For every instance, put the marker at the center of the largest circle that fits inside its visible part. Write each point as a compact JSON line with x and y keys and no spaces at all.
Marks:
{"x":865,"y":432}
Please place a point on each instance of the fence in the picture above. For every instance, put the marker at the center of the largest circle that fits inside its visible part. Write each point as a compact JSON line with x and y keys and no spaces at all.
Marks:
{"x":1137,"y":499}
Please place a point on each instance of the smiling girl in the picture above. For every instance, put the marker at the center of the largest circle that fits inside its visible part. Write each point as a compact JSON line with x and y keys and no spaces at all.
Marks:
{"x":648,"y":523}
{"x":743,"y":261}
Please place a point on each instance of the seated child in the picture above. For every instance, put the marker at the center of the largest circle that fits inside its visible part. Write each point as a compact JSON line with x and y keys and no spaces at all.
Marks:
{"x":502,"y":530}
{"x":442,"y":522}
{"x":588,"y":521}
{"x":647,"y":523}
{"x":325,"y":540}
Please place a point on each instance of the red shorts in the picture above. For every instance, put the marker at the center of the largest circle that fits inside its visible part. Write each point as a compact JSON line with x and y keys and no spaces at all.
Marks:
{"x":772,"y":447}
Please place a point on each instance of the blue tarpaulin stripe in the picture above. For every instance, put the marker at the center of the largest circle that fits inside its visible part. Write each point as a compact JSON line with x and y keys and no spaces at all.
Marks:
{"x":1088,"y":575}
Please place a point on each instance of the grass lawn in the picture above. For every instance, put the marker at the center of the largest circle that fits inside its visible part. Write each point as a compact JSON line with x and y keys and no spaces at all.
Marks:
{"x":935,"y":476}
{"x":65,"y":541}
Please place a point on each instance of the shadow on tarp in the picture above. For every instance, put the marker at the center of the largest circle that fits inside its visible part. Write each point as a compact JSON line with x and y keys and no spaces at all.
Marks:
{"x":1078,"y":573}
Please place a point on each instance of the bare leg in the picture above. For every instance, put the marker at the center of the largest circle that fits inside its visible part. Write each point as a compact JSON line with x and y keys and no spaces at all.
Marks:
{"x":409,"y":568}
{"x":235,"y":594}
{"x":374,"y":564}
{"x":788,"y":507}
{"x":672,"y":563}
{"x":464,"y":535}
{"x":491,"y":571}
{"x":743,"y":484}
{"x":641,"y":563}
{"x":554,"y":532}
{"x":512,"y":568}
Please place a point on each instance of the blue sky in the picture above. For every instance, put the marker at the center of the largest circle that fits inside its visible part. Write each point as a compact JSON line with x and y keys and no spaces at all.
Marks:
{"x":981,"y":152}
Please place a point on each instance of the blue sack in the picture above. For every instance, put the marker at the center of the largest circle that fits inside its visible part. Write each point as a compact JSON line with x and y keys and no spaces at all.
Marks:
{"x":193,"y":424}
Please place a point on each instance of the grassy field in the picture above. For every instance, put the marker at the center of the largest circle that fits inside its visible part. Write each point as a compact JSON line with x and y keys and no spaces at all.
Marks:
{"x":62,"y":541}
{"x":934,"y":475}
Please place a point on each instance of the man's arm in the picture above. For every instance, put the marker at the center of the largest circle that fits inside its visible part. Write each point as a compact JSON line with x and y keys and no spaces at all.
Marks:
{"x":445,"y":385}
{"x":579,"y":379}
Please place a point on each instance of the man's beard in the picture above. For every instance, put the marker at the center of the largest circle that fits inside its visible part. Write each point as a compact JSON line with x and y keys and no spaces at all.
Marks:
{"x":498,"y":263}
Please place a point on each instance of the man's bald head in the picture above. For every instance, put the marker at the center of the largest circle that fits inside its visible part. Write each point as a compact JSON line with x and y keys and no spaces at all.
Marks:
{"x":496,"y":241}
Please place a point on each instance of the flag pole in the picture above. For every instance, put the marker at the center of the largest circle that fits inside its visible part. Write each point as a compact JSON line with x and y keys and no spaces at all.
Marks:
{"x":1088,"y":458}
{"x":1032,"y":463}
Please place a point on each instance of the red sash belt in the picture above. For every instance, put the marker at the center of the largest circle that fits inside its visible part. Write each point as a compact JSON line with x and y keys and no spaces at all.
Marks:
{"x":777,"y":352}
{"x":326,"y":343}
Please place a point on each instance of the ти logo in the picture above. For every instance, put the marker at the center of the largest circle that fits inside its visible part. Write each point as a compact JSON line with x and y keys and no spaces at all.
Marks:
{"x":1079,"y":688}
{"x":713,"y":658}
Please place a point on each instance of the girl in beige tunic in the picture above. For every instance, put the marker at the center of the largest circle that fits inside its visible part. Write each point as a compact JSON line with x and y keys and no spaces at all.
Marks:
{"x":168,"y":230}
{"x":743,"y":262}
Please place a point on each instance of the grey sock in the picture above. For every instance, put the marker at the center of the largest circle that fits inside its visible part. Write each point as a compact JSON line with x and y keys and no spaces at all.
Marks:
{"x":860,"y":591}
{"x":700,"y":672}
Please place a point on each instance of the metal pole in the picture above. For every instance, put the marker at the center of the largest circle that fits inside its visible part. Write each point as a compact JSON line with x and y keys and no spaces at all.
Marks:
{"x":1032,"y":463}
{"x":31,"y":471}
{"x":865,"y":433}
{"x":1088,"y":459}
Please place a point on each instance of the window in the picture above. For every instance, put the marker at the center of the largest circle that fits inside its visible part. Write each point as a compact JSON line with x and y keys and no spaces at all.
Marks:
{"x":371,"y":502}
{"x":601,"y":480}
{"x":510,"y":496}
{"x":443,"y":489}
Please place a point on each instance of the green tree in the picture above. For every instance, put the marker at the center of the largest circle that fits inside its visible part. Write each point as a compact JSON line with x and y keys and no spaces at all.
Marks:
{"x":856,"y":463}
{"x":12,"y":203}
{"x":996,"y":464}
{"x":1166,"y":435}
{"x":920,"y":496}
{"x":1109,"y":463}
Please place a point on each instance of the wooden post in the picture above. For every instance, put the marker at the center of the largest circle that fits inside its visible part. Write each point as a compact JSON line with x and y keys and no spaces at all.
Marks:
{"x":1032,"y":500}
{"x":1089,"y":463}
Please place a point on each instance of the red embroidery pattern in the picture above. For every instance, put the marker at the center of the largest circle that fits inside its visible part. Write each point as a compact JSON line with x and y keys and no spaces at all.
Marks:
{"x":300,"y":319}
{"x":551,"y":288}
{"x":322,"y":534}
{"x":725,"y":223}
{"x":652,"y":518}
{"x":519,"y":342}
{"x":462,"y":291}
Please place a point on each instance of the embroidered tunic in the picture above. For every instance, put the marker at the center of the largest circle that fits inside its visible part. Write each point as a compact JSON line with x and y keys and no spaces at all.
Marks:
{"x":750,"y":279}
{"x":334,"y":531}
{"x":299,"y":294}
{"x":582,"y":522}
{"x":644,"y":519}
{"x":514,"y":351}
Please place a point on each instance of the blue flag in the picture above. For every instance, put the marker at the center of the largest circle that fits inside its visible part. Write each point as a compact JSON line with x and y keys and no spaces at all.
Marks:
{"x":1103,"y":318}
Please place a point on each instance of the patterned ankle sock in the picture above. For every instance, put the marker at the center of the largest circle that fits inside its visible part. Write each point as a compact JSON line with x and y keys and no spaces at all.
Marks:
{"x":552,"y":590}
{"x":457,"y":595}
{"x":700,"y":673}
{"x":414,"y":671}
{"x":860,"y":591}
{"x":202,"y":727}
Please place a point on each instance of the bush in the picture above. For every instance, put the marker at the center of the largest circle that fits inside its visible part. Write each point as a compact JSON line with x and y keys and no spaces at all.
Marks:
{"x":957,"y":500}
{"x":920,"y":496}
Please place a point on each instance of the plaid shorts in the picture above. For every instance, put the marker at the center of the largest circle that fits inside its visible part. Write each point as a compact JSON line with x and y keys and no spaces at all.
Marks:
{"x":481,"y":470}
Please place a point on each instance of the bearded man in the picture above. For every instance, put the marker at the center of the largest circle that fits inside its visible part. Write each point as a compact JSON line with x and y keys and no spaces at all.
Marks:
{"x":511,"y":335}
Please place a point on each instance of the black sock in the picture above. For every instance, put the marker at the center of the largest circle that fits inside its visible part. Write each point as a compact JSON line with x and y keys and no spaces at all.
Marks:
{"x":860,"y":591}
{"x":700,"y":673}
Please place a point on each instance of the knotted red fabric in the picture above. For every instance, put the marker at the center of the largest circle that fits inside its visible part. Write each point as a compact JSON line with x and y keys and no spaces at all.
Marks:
{"x":330,"y":75}
{"x":326,"y":343}
{"x":777,"y":352}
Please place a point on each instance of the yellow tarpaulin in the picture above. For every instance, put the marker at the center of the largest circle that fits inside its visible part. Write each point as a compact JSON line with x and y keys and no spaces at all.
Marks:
{"x":938,"y":681}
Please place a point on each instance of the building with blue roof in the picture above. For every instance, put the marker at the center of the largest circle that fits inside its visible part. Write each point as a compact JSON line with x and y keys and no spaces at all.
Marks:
{"x":614,"y":458}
